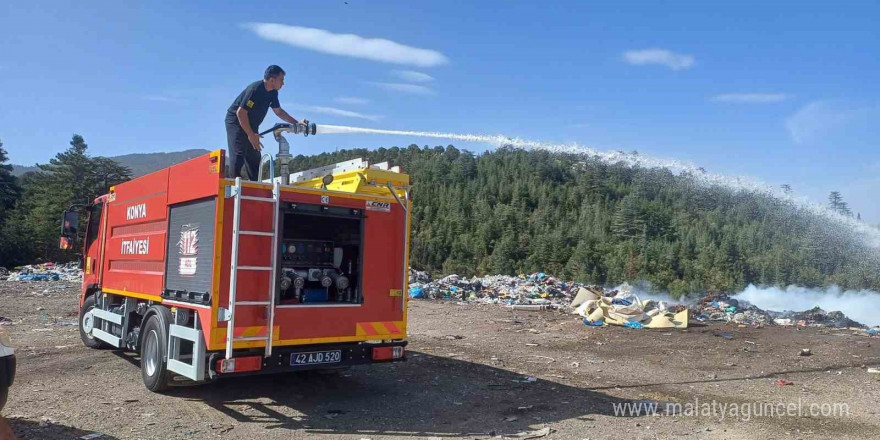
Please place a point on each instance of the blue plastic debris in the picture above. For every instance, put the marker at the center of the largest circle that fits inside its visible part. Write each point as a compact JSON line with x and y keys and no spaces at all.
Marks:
{"x":873,"y":331}
{"x":598,"y":323}
{"x":416,"y":292}
{"x":621,"y":302}
{"x":633,"y":324}
{"x":39,"y":277}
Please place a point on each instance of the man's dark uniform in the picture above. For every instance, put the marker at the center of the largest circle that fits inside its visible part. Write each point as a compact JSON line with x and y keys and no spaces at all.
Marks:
{"x":256,"y":100}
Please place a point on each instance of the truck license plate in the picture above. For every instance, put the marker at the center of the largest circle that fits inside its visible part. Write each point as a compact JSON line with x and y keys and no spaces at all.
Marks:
{"x":316,"y":357}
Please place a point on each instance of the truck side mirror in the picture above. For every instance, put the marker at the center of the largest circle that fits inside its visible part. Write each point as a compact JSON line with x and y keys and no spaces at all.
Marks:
{"x":69,"y":228}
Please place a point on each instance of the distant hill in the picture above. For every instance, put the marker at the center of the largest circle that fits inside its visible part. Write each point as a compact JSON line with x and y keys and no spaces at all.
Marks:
{"x":139,"y":163}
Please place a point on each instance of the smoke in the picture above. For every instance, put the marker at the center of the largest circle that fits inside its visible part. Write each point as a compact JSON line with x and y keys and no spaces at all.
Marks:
{"x":859,"y":305}
{"x":644,"y":291}
{"x":836,"y":222}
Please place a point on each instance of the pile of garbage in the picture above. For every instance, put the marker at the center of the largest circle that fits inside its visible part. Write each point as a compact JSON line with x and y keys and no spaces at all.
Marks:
{"x":44,"y":272}
{"x":727,"y":309}
{"x":626,"y":309}
{"x":537,"y":289}
{"x":815,"y":317}
{"x":598,"y":306}
{"x":720,"y":307}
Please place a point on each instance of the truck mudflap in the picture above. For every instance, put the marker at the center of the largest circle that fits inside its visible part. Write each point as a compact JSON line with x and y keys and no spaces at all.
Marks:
{"x":307,"y":357}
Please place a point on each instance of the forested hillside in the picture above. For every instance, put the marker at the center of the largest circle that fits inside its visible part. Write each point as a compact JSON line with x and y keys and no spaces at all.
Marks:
{"x":511,"y":211}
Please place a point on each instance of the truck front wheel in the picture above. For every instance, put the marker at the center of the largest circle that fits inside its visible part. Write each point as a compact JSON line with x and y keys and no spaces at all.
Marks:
{"x":86,"y":323}
{"x":153,"y":351}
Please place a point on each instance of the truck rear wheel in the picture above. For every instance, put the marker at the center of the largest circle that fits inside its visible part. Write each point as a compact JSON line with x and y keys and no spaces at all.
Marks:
{"x":154,"y":346}
{"x":86,"y":322}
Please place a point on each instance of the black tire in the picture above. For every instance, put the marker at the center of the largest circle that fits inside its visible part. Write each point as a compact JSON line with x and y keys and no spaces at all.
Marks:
{"x":84,"y":316}
{"x":154,"y":348}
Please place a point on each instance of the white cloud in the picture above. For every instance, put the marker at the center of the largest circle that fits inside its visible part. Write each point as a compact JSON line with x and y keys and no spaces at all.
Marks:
{"x":672,"y":60}
{"x":338,"y":112}
{"x":351,"y":100}
{"x":350,"y":45}
{"x":815,"y":120}
{"x":405,"y":88}
{"x":750,"y":97}
{"x":412,"y":76}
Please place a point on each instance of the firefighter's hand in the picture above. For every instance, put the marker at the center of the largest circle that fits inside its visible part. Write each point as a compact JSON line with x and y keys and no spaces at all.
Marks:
{"x":255,"y":141}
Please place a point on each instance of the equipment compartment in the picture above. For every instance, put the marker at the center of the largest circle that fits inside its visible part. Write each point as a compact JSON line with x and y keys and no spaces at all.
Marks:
{"x":320,"y":255}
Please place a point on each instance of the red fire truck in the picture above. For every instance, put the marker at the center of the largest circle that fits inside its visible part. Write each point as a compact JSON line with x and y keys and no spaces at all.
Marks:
{"x":208,"y":277}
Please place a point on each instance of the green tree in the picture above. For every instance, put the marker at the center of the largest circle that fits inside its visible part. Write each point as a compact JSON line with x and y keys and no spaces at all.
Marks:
{"x":9,"y":189}
{"x":71,"y":178}
{"x":836,"y":203}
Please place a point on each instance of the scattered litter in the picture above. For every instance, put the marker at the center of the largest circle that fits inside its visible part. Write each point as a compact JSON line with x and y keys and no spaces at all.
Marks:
{"x":724,"y":335}
{"x":92,"y":436}
{"x":783,"y":382}
{"x":633,"y":324}
{"x":547,"y":359}
{"x":511,"y":418}
{"x":806,"y":352}
{"x":46,"y":272}
{"x":874,"y":370}
{"x":543,"y":432}
{"x":529,"y":307}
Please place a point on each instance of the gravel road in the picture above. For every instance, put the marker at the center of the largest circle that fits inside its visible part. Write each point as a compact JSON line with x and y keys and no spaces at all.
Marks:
{"x":473,"y":371}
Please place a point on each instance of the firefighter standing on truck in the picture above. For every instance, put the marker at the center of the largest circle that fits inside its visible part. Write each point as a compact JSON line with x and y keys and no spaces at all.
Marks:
{"x":244,"y":117}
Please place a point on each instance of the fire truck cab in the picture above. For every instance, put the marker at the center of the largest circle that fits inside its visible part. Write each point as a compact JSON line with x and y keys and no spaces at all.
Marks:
{"x":207,"y":277}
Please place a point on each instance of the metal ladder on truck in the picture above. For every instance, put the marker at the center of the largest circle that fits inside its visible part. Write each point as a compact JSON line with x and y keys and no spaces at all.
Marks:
{"x":269,"y":303}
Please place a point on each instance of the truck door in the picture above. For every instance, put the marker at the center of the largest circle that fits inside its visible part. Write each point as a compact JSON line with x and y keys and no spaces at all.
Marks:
{"x":92,"y":246}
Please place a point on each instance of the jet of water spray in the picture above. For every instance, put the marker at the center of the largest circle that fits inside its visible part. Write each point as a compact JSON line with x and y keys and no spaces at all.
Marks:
{"x":867,"y":234}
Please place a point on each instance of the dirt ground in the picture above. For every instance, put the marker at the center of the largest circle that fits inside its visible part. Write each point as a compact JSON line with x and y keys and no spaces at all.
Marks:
{"x":474,"y":372}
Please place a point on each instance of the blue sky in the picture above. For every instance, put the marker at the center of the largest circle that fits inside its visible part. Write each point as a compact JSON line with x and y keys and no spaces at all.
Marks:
{"x":785,"y":92}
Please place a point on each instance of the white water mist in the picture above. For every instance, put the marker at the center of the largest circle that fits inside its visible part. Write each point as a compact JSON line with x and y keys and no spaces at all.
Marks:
{"x":867,"y":234}
{"x":859,"y":305}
